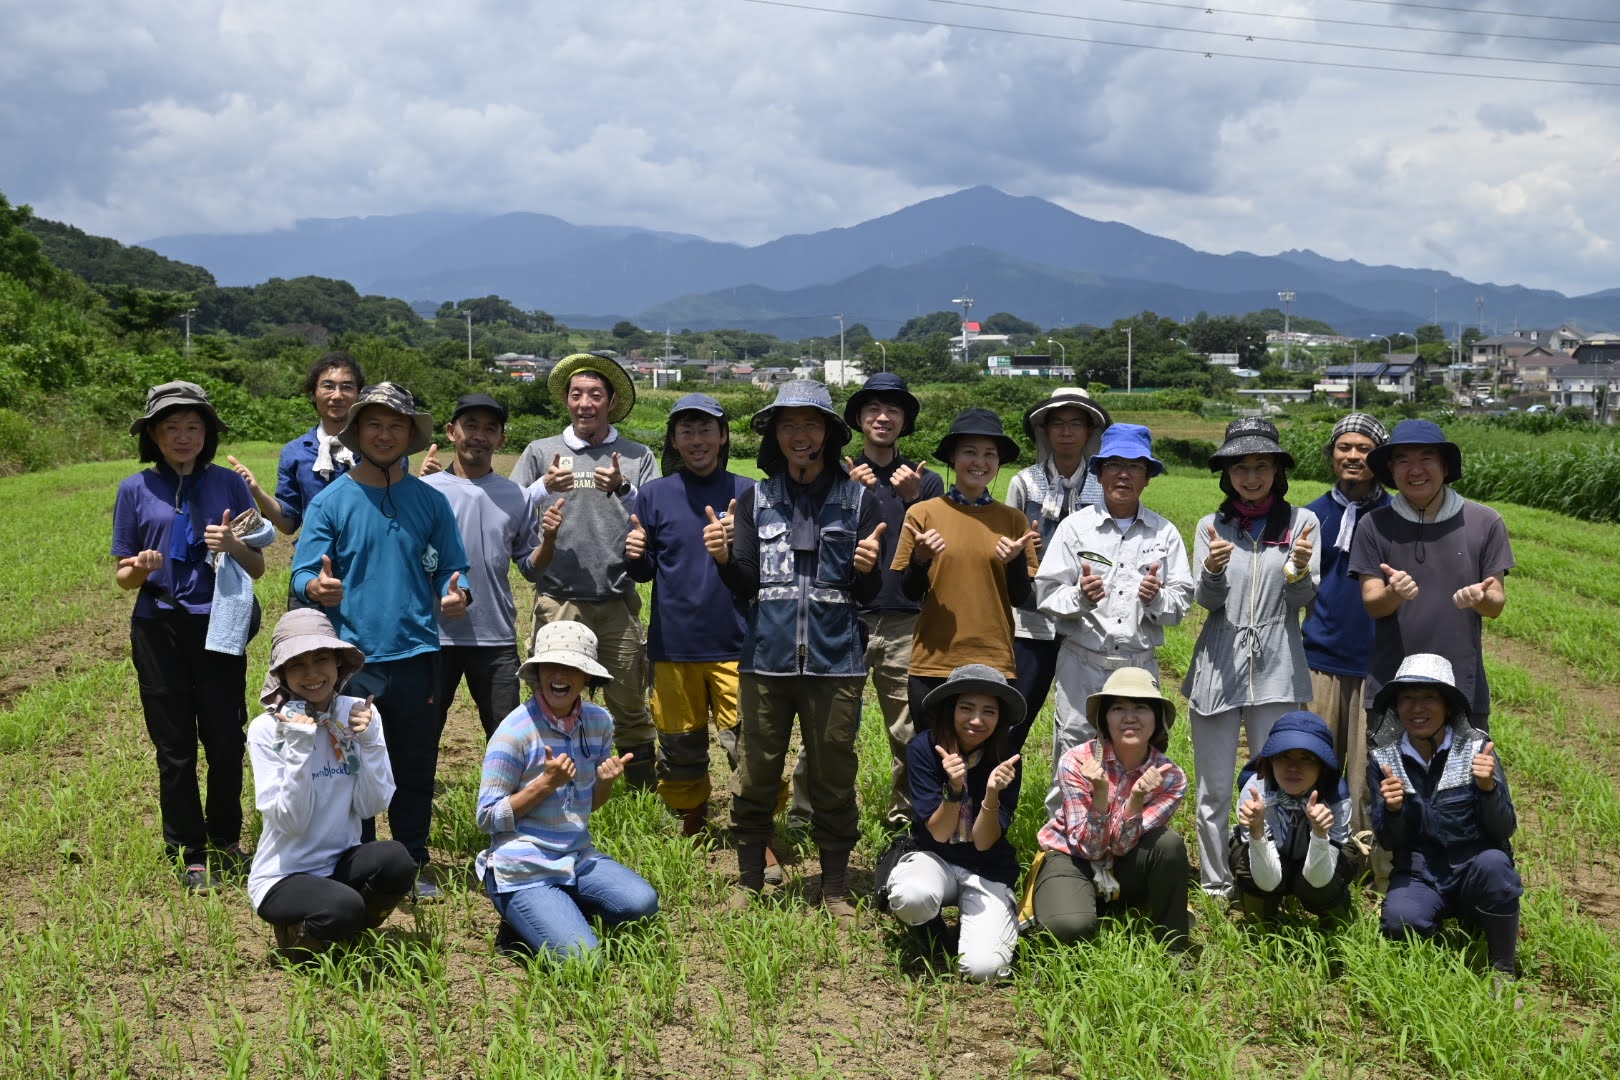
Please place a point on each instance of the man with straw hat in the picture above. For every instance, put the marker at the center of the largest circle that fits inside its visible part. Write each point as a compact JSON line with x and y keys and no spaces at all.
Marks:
{"x":380,"y":551}
{"x":595,"y":473}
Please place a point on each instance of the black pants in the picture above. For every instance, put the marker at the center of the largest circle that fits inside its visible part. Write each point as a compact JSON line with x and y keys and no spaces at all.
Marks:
{"x":406,"y":693}
{"x":492,"y":679}
{"x":918,"y":687}
{"x":335,"y":908}
{"x":1037,"y":666}
{"x":191,"y":695}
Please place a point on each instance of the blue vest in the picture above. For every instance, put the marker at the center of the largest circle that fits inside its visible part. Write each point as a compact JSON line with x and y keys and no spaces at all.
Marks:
{"x":803,"y":620}
{"x":1446,"y":793}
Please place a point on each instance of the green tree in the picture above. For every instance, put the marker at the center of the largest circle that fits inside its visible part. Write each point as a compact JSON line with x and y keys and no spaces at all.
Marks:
{"x":922,"y":327}
{"x":1431,"y":334}
{"x":21,"y":253}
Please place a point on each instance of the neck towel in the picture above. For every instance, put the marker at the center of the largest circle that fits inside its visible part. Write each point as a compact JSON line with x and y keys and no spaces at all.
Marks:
{"x":332,"y":458}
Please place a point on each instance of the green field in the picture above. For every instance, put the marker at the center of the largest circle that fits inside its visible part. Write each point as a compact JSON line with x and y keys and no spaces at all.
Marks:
{"x":108,"y":970}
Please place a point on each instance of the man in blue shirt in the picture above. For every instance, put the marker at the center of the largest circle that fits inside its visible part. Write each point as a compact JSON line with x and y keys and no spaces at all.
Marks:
{"x":380,"y":551}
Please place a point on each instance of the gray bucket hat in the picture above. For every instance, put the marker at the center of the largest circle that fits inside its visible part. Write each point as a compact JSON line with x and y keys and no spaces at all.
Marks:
{"x":1249,"y":435}
{"x":704,"y":405}
{"x":390,"y":396}
{"x":177,"y":395}
{"x":567,"y":644}
{"x":798,"y":394}
{"x":980,"y":679}
{"x":300,"y":631}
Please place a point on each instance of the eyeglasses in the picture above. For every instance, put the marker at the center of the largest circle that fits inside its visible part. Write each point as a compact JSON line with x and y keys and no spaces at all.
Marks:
{"x":327,"y":386}
{"x":1134,"y":468}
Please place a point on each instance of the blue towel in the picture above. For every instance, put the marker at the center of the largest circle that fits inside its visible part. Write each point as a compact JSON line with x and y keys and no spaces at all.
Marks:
{"x":232,"y":614}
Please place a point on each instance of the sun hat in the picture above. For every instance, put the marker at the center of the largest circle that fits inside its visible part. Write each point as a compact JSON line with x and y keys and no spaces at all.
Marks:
{"x":980,"y":679}
{"x":623,"y":387}
{"x":469,"y":402}
{"x":1357,"y":423}
{"x":977,"y":422}
{"x":1424,"y":669}
{"x":177,"y":395}
{"x":1301,"y":730}
{"x":882,"y":385}
{"x":1415,"y":433}
{"x":567,"y":644}
{"x":392,"y":396}
{"x":1138,"y":684}
{"x":798,"y":394}
{"x":670,"y":460}
{"x":1133,"y":442}
{"x":1249,"y":435}
{"x":300,"y":631}
{"x":1065,"y":397}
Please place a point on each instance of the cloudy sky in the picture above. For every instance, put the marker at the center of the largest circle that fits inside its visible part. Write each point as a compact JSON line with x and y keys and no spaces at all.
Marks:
{"x":743,"y":120}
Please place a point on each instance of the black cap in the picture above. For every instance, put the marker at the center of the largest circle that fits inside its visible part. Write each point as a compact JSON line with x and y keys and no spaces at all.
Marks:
{"x":468,"y":402}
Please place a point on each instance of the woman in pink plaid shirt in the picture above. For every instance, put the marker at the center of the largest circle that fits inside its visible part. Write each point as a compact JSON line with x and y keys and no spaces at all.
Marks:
{"x":1109,"y":842}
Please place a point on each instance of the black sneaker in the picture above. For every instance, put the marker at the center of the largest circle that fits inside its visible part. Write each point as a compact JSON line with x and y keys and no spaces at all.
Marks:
{"x":234,"y":862}
{"x":197,"y":879}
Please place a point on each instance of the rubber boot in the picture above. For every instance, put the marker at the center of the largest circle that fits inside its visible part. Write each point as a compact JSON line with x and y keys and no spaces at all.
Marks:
{"x":1501,"y":939}
{"x":296,"y":944}
{"x":835,"y":886}
{"x":641,"y":774}
{"x":378,"y":907}
{"x":695,"y":820}
{"x":750,"y":875}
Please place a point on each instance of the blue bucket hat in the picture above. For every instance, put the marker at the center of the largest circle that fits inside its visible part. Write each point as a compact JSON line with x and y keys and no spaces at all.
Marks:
{"x":883,"y":385}
{"x":1302,"y":730}
{"x":1415,"y":433}
{"x":798,"y":394}
{"x":694,"y":403}
{"x":1130,"y":441}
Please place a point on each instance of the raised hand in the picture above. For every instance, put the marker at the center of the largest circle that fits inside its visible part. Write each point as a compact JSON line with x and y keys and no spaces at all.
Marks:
{"x":551,"y":521}
{"x":1484,"y":768}
{"x":453,"y":604}
{"x":559,"y":770}
{"x":246,"y":474}
{"x":907,"y":482}
{"x":1002,"y":776}
{"x":866,"y":552}
{"x":1320,"y":815}
{"x":717,"y":534}
{"x":1471,"y":596}
{"x":1035,"y":527}
{"x":1302,"y":548}
{"x":1008,"y":549}
{"x":361,"y":714}
{"x":608,"y":477}
{"x":1151,"y":780}
{"x":1393,"y":792}
{"x":1148,"y":590}
{"x":327,"y":588}
{"x":1092,"y":770}
{"x":955,"y":768}
{"x":635,"y":541}
{"x":430,"y":461}
{"x":219,"y":537}
{"x":925,"y":546}
{"x":1092,"y":586}
{"x":612,"y":767}
{"x":557,"y":478}
{"x":862,"y":474}
{"x":1400,"y":581}
{"x":1253,"y":815}
{"x":1220,"y":552}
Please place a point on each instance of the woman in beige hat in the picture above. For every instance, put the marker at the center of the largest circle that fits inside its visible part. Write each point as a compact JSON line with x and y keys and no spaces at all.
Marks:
{"x":1110,"y":841}
{"x":546,"y":768}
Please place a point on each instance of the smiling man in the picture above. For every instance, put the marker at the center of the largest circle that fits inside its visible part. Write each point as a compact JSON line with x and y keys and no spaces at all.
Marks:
{"x":1432,"y":564}
{"x":596,"y":473}
{"x":1337,"y":629}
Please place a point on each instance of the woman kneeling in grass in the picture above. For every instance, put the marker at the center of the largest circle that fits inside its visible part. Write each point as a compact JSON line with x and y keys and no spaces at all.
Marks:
{"x":1441,"y":807}
{"x":1293,"y":836}
{"x":1110,"y":840}
{"x":964,"y":789}
{"x":320,"y":767}
{"x":547,"y":767}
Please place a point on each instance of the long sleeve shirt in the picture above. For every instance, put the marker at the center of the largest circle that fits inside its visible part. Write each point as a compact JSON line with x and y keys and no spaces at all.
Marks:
{"x":1446,"y":818}
{"x":1120,"y":624}
{"x":892,"y":511}
{"x":1085,"y":830}
{"x":1321,"y":852}
{"x":313,"y":788}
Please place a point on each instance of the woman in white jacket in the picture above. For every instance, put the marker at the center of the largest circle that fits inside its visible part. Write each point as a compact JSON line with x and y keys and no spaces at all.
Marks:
{"x":320,"y":767}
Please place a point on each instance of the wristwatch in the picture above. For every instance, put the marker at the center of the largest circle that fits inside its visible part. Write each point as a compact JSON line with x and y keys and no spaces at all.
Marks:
{"x":623,"y":489}
{"x":950,"y":794}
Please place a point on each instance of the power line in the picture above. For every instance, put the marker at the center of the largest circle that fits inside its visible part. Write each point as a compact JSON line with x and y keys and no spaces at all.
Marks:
{"x":1241,"y":36}
{"x":1207,"y":54}
{"x":1486,"y":11}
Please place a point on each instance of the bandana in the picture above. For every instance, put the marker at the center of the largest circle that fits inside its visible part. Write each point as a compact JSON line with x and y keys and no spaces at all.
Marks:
{"x":295,"y":711}
{"x":1285,"y":814}
{"x":1347,"y":523}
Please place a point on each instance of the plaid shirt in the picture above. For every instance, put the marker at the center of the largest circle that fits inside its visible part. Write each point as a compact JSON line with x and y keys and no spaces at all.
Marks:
{"x":1084,"y":831}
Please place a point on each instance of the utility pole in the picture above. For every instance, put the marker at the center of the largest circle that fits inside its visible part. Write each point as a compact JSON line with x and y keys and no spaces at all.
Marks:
{"x":967,"y":303}
{"x":187,"y":315}
{"x":1287,"y":298}
{"x":468,"y":316}
{"x":879,"y":344}
{"x":840,"y":318}
{"x":1128,"y":345}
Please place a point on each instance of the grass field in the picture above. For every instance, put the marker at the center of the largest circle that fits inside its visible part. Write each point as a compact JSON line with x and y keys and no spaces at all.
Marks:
{"x":107,"y":969}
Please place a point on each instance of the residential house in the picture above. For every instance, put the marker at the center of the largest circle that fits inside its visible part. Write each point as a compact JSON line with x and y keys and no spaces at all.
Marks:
{"x":1594,"y":387}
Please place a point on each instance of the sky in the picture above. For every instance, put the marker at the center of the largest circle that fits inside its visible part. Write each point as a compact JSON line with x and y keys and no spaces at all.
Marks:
{"x":744,"y":121}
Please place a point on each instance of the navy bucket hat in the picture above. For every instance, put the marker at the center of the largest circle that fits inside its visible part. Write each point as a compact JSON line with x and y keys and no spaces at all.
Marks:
{"x":1415,"y":433}
{"x":883,"y":386}
{"x":1302,"y":730}
{"x":981,"y":423}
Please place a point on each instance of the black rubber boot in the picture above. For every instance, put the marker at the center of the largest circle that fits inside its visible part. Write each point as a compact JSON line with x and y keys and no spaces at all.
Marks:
{"x":641,"y":773}
{"x":1501,"y":939}
{"x":835,"y":886}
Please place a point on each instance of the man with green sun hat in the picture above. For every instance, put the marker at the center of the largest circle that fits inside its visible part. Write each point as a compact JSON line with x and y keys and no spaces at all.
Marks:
{"x":595,"y":472}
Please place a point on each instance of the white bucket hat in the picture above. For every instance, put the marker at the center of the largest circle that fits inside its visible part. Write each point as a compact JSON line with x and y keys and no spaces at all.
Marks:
{"x":568,"y":644}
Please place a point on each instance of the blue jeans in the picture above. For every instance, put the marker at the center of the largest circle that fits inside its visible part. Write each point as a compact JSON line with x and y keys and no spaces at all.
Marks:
{"x":553,"y":918}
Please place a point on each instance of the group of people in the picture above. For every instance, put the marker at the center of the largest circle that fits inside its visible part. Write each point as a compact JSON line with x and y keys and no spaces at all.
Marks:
{"x":1342,"y":638}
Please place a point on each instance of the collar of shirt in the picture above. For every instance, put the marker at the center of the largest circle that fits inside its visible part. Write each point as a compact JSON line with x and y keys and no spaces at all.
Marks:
{"x":565,"y":723}
{"x":577,"y":444}
{"x":1411,"y":751}
{"x":957,"y":497}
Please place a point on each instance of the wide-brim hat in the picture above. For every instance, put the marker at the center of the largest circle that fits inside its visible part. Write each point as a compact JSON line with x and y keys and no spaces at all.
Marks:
{"x":1425,"y":669}
{"x":883,"y":385}
{"x":567,"y":644}
{"x":624,"y":387}
{"x":1249,"y":435}
{"x":300,"y":631}
{"x":1131,"y":442}
{"x":798,"y":394}
{"x":980,"y":679}
{"x":977,"y":423}
{"x":1138,"y":684}
{"x":1415,"y":433}
{"x":1301,"y":730}
{"x":1065,"y":397}
{"x":670,"y":459}
{"x":177,"y":395}
{"x":392,"y":396}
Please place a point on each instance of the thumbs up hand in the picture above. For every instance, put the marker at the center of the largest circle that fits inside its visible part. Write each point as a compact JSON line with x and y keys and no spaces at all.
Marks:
{"x":1008,"y":548}
{"x":360,"y":715}
{"x":907,"y":482}
{"x":551,"y":521}
{"x":1393,"y":791}
{"x":327,"y":589}
{"x":1302,"y":548}
{"x":1150,"y":586}
{"x":1471,"y":597}
{"x":430,"y":461}
{"x":1400,"y":582}
{"x":1483,"y":768}
{"x":925,"y":546}
{"x":1092,"y":585}
{"x":220,"y":538}
{"x":635,"y":541}
{"x":608,"y":477}
{"x":558,"y":478}
{"x":862,"y":474}
{"x":866,"y":552}
{"x":453,"y":604}
{"x":1320,"y":815}
{"x":1220,"y":552}
{"x":717,"y":534}
{"x":247,"y":476}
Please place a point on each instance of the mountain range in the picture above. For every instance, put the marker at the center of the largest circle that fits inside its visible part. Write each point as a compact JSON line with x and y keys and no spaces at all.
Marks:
{"x":1010,"y":253}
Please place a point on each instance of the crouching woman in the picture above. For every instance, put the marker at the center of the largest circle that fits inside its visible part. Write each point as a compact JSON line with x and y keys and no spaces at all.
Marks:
{"x":1109,"y":842}
{"x":547,"y":767}
{"x":320,"y":767}
{"x":964,"y":789}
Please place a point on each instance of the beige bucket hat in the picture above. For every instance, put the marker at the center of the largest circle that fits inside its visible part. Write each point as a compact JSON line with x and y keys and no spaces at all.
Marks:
{"x":569,"y":644}
{"x":1138,"y":684}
